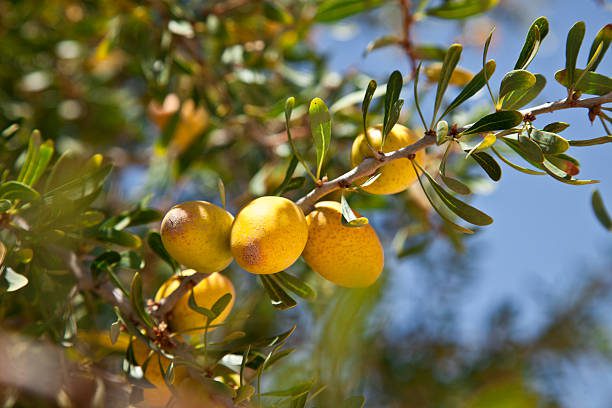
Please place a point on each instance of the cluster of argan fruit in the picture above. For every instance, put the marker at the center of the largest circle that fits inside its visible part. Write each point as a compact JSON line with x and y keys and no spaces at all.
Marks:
{"x":267,"y":236}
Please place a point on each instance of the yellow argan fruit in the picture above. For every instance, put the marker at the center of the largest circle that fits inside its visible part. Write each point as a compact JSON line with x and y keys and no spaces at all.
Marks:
{"x":397,"y":175}
{"x":268,"y":235}
{"x":459,"y":77}
{"x":206,"y":293}
{"x":347,"y":256}
{"x":196,"y":234}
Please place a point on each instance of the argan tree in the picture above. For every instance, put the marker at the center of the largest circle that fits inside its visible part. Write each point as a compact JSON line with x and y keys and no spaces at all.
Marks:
{"x":179,"y":195}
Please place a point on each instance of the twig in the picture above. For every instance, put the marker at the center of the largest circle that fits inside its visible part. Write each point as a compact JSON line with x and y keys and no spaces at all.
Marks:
{"x":369,"y":165}
{"x":407,"y":43}
{"x":166,"y":304}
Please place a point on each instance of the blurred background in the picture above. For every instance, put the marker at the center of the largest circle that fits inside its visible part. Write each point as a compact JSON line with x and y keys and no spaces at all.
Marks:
{"x":517,"y":315}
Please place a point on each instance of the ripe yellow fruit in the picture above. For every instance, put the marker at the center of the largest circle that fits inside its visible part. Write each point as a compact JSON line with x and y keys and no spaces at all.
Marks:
{"x":196,"y":234}
{"x":347,"y":256}
{"x":459,"y":77}
{"x":206,"y":293}
{"x":397,"y":175}
{"x":268,"y":235}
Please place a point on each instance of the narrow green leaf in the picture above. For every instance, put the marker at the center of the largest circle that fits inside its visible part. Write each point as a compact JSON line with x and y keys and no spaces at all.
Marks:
{"x":14,"y":190}
{"x":45,"y":152}
{"x":535,"y":36}
{"x":382,"y":42}
{"x":461,"y":209}
{"x":221,"y":304}
{"x":591,"y":83}
{"x":105,"y":261}
{"x":193,"y":305}
{"x":365,"y":106}
{"x":516,"y":166}
{"x":429,"y":52}
{"x":485,"y":51}
{"x":565,"y":163}
{"x":295,"y":285}
{"x":279,"y":298}
{"x":136,"y":300}
{"x":556,"y":127}
{"x":522,"y":151}
{"x":15,"y":280}
{"x":448,"y":66}
{"x":349,"y":219}
{"x":561,"y":176}
{"x":602,"y":38}
{"x":221,"y":188}
{"x":520,"y":97}
{"x":330,"y":11}
{"x":501,"y":120}
{"x":475,"y":85}
{"x":320,"y":127}
{"x":31,"y":157}
{"x":288,"y":176}
{"x":460,"y":9}
{"x":550,"y":143}
{"x":155,"y":243}
{"x":572,"y":48}
{"x":591,"y":142}
{"x":394,"y":88}
{"x":456,"y":185}
{"x":289,"y":104}
{"x":392,"y":120}
{"x":600,"y":210}
{"x":119,"y":237}
{"x":488,"y":164}
{"x":415,"y":89}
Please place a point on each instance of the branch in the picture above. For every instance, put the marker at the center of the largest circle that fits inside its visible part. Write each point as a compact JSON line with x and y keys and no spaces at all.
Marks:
{"x":369,"y":165}
{"x":166,"y":304}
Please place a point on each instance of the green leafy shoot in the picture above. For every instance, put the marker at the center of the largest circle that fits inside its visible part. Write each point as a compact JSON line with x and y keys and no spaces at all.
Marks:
{"x":320,"y":127}
{"x":600,"y":210}
{"x":448,"y":66}
{"x":416,"y":95}
{"x":501,"y":120}
{"x":289,"y":104}
{"x":365,"y":106}
{"x":393,"y":104}
{"x":572,"y":48}
{"x":349,"y":219}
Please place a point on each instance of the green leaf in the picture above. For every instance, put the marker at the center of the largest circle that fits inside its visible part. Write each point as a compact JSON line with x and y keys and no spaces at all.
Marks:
{"x":565,"y":163}
{"x":5,"y":205}
{"x":15,"y":280}
{"x":527,"y":152}
{"x":349,"y":219}
{"x":429,"y":52}
{"x":330,"y":11}
{"x":520,"y":97}
{"x":382,"y":42}
{"x":516,"y":80}
{"x":501,"y":120}
{"x":556,"y":127}
{"x":279,"y":298}
{"x":394,"y":88}
{"x":295,"y":285}
{"x":475,"y":85}
{"x":460,"y":9}
{"x":455,"y":185}
{"x":572,"y":48}
{"x":488,"y":164}
{"x":14,"y":190}
{"x":193,"y":305}
{"x":119,"y":237}
{"x":392,"y":120}
{"x":320,"y":127}
{"x":484,"y":64}
{"x":516,"y":166}
{"x":221,"y":304}
{"x":288,"y":176}
{"x":550,"y":143}
{"x":600,"y":210}
{"x":136,"y":300}
{"x":289,"y":104}
{"x":591,"y":142}
{"x":222,"y":194}
{"x":155,"y":243}
{"x":532,"y":149}
{"x":104,"y":262}
{"x":461,"y":209}
{"x":31,"y":157}
{"x":591,"y":83}
{"x":603,"y":37}
{"x":448,"y":66}
{"x":535,"y":36}
{"x":354,"y":402}
{"x":365,"y":106}
{"x":561,"y":176}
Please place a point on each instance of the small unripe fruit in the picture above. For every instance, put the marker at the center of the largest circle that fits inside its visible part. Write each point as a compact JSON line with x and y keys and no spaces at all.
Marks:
{"x":397,"y":175}
{"x":268,"y":235}
{"x":196,"y":234}
{"x":206,"y":293}
{"x":347,"y":256}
